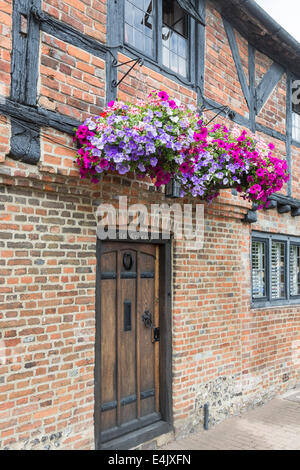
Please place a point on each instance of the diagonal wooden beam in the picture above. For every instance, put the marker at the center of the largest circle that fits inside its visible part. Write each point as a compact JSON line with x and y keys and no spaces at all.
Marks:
{"x":251,"y":71}
{"x":267,"y":85}
{"x":237,"y":60}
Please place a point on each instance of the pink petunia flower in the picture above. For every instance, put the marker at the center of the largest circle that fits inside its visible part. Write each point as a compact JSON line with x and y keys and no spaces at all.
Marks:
{"x":172,"y":104}
{"x":184,"y":168}
{"x":163,"y":95}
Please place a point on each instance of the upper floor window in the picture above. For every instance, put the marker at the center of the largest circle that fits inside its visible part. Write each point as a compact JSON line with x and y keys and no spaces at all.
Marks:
{"x":139,"y":25}
{"x":275,"y":269}
{"x":175,"y":36}
{"x":161,"y":30}
{"x":296,"y":111}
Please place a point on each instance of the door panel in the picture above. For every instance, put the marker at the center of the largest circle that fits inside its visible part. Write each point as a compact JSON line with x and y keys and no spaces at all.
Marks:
{"x":129,"y":356}
{"x":108,"y":335}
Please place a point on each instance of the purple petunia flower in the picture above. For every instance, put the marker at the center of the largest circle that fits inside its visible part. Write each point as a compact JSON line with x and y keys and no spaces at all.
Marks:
{"x":153,"y":162}
{"x":122,"y":169}
{"x":150,"y":148}
{"x":141,"y":167}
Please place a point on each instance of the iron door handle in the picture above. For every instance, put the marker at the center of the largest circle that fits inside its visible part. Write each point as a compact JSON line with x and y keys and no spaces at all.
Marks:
{"x":148,"y":322}
{"x":147,"y":319}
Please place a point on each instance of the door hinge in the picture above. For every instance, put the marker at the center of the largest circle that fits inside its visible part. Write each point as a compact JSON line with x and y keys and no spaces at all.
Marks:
{"x":155,"y":335}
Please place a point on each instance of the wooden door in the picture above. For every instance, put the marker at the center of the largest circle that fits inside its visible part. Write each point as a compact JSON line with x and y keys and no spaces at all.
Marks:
{"x":129,"y":298}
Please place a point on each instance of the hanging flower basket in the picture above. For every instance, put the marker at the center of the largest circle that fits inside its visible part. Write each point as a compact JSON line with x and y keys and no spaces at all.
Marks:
{"x":163,"y":139}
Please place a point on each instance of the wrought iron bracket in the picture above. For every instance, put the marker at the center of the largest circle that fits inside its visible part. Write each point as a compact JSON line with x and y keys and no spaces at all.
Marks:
{"x":228,"y":112}
{"x":138,"y":61}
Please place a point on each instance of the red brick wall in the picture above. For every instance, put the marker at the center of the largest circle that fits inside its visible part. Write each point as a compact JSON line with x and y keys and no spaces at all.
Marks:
{"x":4,"y":137}
{"x":221,"y":79}
{"x":88,"y":16}
{"x":71,"y":80}
{"x":5,"y":45}
{"x":224,"y":351}
{"x":142,"y":80}
{"x":47,"y":281}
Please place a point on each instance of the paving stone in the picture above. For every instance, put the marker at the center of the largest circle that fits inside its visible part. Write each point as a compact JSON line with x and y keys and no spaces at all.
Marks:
{"x":274,"y":426}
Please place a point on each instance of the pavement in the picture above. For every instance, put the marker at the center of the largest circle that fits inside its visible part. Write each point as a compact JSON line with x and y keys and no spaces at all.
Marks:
{"x":273,"y":426}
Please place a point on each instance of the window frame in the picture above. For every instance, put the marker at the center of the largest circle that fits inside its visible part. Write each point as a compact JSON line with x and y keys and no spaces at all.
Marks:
{"x":286,"y":274}
{"x":188,"y":39}
{"x":154,"y":34}
{"x":265,"y":241}
{"x":268,"y":301}
{"x":297,"y":296}
{"x":294,"y":137}
{"x":156,"y":60}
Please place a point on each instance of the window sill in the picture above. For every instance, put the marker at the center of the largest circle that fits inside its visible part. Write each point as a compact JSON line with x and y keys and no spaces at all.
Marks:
{"x":296,"y":143}
{"x":149,"y":61}
{"x":274,"y":305}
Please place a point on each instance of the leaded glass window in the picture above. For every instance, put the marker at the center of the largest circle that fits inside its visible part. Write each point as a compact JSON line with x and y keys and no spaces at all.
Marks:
{"x":175,"y":38}
{"x":161,"y":31}
{"x":296,"y":111}
{"x":139,"y":25}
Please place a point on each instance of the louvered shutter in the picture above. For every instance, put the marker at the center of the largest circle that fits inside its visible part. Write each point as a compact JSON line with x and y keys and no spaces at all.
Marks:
{"x":275,"y":275}
{"x":294,"y":270}
{"x":258,"y":270}
{"x":278,"y":270}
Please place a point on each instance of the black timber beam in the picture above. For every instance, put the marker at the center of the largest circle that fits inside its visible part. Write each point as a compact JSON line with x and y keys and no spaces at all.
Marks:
{"x":267,"y":85}
{"x":262,"y":31}
{"x":38,"y":116}
{"x":112,"y":35}
{"x":252,"y":90}
{"x":272,"y":204}
{"x":285,"y":200}
{"x":25,"y":143}
{"x":25,"y":53}
{"x":212,"y":105}
{"x":66,"y":33}
{"x":295,"y":212}
{"x":270,"y":132}
{"x":289,"y":126}
{"x":251,"y":217}
{"x":200,"y":55}
{"x":284,"y":208}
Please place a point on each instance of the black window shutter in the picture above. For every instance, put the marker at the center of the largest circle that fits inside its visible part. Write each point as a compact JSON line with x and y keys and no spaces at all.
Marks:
{"x":189,"y":8}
